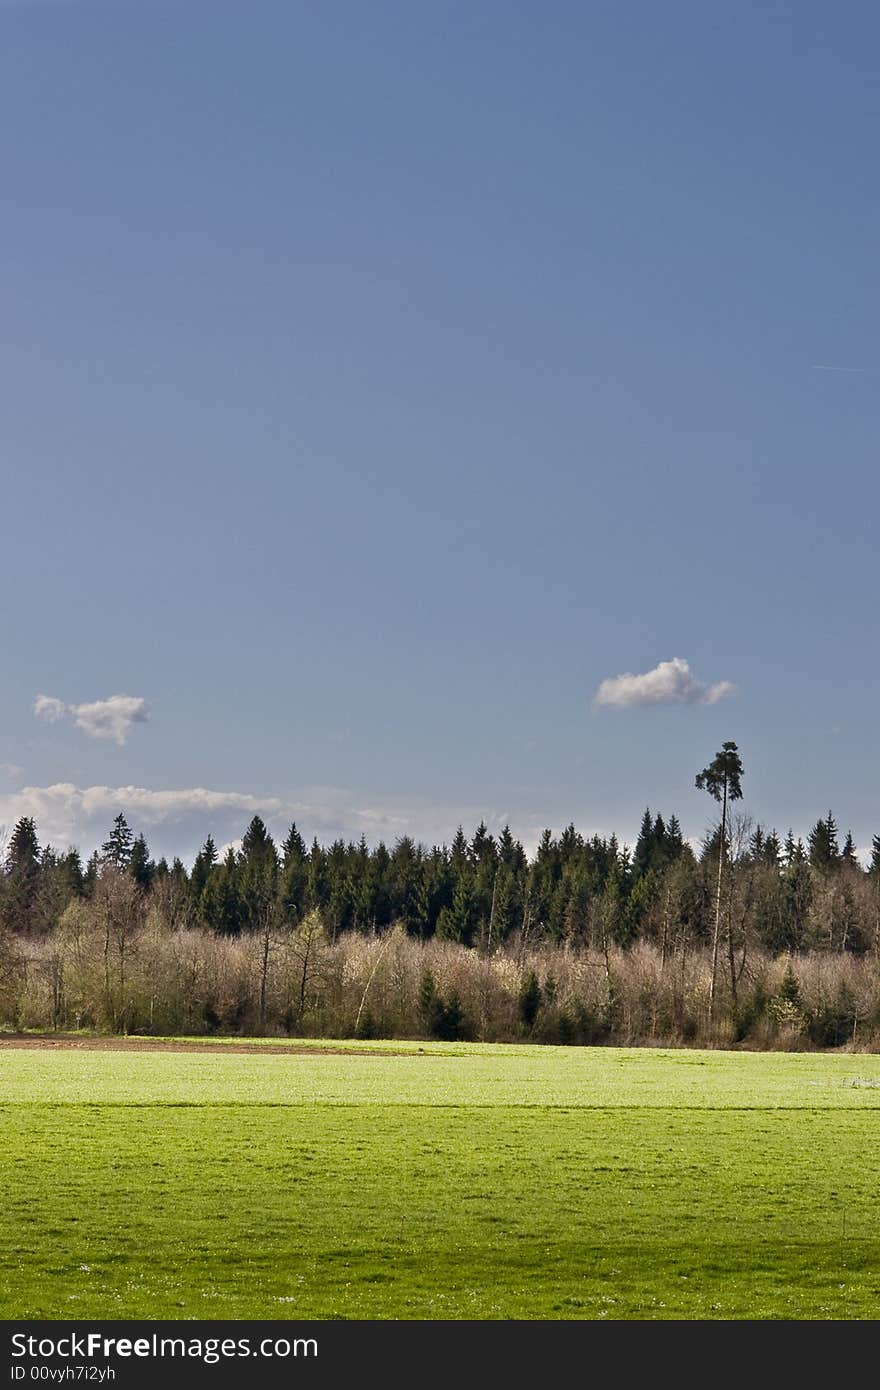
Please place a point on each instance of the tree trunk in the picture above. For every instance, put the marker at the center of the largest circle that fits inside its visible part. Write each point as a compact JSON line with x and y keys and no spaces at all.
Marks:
{"x":108,"y":993}
{"x":731,"y":957}
{"x":606,"y":958}
{"x":717,"y":931}
{"x":492,"y":913}
{"x":665,"y":938}
{"x":123,"y":1007}
{"x":264,"y":974}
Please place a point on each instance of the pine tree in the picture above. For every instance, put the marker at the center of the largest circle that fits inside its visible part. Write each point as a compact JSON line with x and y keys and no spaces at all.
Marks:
{"x":220,"y":904}
{"x":117,"y":849}
{"x":293,"y":849}
{"x":90,"y":878}
{"x":772,"y":850}
{"x":511,"y":852}
{"x":427,"y":998}
{"x":721,"y":779}
{"x":570,"y":845}
{"x":848,"y":855}
{"x":529,"y":1000}
{"x":483,"y":847}
{"x":459,"y":854}
{"x":23,"y":853}
{"x":21,"y":888}
{"x":71,"y":869}
{"x":257,"y":875}
{"x":140,"y":866}
{"x":257,"y":845}
{"x":203,"y":865}
{"x":790,"y":989}
{"x":295,"y":874}
{"x":643,"y":852}
{"x":674,"y":837}
{"x":824,"y":849}
{"x":463,"y":909}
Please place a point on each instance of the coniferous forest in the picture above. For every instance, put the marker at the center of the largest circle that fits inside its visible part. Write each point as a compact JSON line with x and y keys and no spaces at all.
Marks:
{"x":756,"y":939}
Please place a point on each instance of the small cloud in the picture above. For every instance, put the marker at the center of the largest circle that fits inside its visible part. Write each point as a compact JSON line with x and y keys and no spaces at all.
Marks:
{"x":223,"y":850}
{"x":669,"y":683}
{"x":823,"y":367}
{"x":111,"y":718}
{"x":48,"y":708}
{"x":105,"y":719}
{"x":11,"y":769}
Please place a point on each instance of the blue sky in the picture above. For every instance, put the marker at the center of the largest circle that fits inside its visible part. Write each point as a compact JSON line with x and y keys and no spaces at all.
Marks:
{"x":380,"y":379}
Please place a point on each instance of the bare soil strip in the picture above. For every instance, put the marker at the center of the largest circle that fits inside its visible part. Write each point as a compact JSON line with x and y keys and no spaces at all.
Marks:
{"x":46,"y":1041}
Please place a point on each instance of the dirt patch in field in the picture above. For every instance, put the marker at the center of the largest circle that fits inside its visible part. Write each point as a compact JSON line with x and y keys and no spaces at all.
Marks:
{"x":46,"y":1041}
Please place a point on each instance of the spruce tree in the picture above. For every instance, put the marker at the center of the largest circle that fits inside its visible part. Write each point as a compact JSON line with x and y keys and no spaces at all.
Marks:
{"x":511,"y":852}
{"x":140,"y":866}
{"x":461,"y":923}
{"x":257,"y":845}
{"x":295,"y":874}
{"x":823,"y":847}
{"x":203,"y":864}
{"x":117,"y":849}
{"x":674,"y":840}
{"x":72,"y":876}
{"x":257,"y":875}
{"x":459,"y":854}
{"x":293,"y":849}
{"x":90,"y":878}
{"x":23,"y":853}
{"x":21,"y":888}
{"x":529,"y":1000}
{"x":772,"y":850}
{"x":220,"y":905}
{"x":643,"y":852}
{"x":483,"y":846}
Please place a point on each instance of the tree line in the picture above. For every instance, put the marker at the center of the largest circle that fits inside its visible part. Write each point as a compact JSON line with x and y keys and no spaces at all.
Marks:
{"x":782,"y":895}
{"x":584,"y":941}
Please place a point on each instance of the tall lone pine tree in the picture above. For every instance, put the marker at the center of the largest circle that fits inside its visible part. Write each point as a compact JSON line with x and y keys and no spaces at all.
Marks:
{"x":721,"y":779}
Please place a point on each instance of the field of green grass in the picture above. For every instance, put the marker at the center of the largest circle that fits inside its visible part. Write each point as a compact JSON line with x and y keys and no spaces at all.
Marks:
{"x":452,"y":1181}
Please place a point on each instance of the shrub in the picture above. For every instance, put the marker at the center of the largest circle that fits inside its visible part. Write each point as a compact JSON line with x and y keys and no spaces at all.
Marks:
{"x":529,"y":1000}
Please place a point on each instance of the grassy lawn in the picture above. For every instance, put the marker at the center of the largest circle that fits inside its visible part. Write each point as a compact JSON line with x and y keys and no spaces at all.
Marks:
{"x":456,"y":1182}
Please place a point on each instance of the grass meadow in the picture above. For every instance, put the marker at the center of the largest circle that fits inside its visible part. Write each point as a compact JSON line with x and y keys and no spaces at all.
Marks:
{"x":438,"y":1181}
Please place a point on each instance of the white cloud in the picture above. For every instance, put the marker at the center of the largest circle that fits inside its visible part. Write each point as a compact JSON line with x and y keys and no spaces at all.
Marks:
{"x":669,"y":683}
{"x":11,"y":770}
{"x":106,"y":719}
{"x":177,"y":821}
{"x":48,"y":708}
{"x":111,"y":718}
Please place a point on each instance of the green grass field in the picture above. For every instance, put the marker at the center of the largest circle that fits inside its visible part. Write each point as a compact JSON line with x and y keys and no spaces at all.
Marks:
{"x":461,"y":1181}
